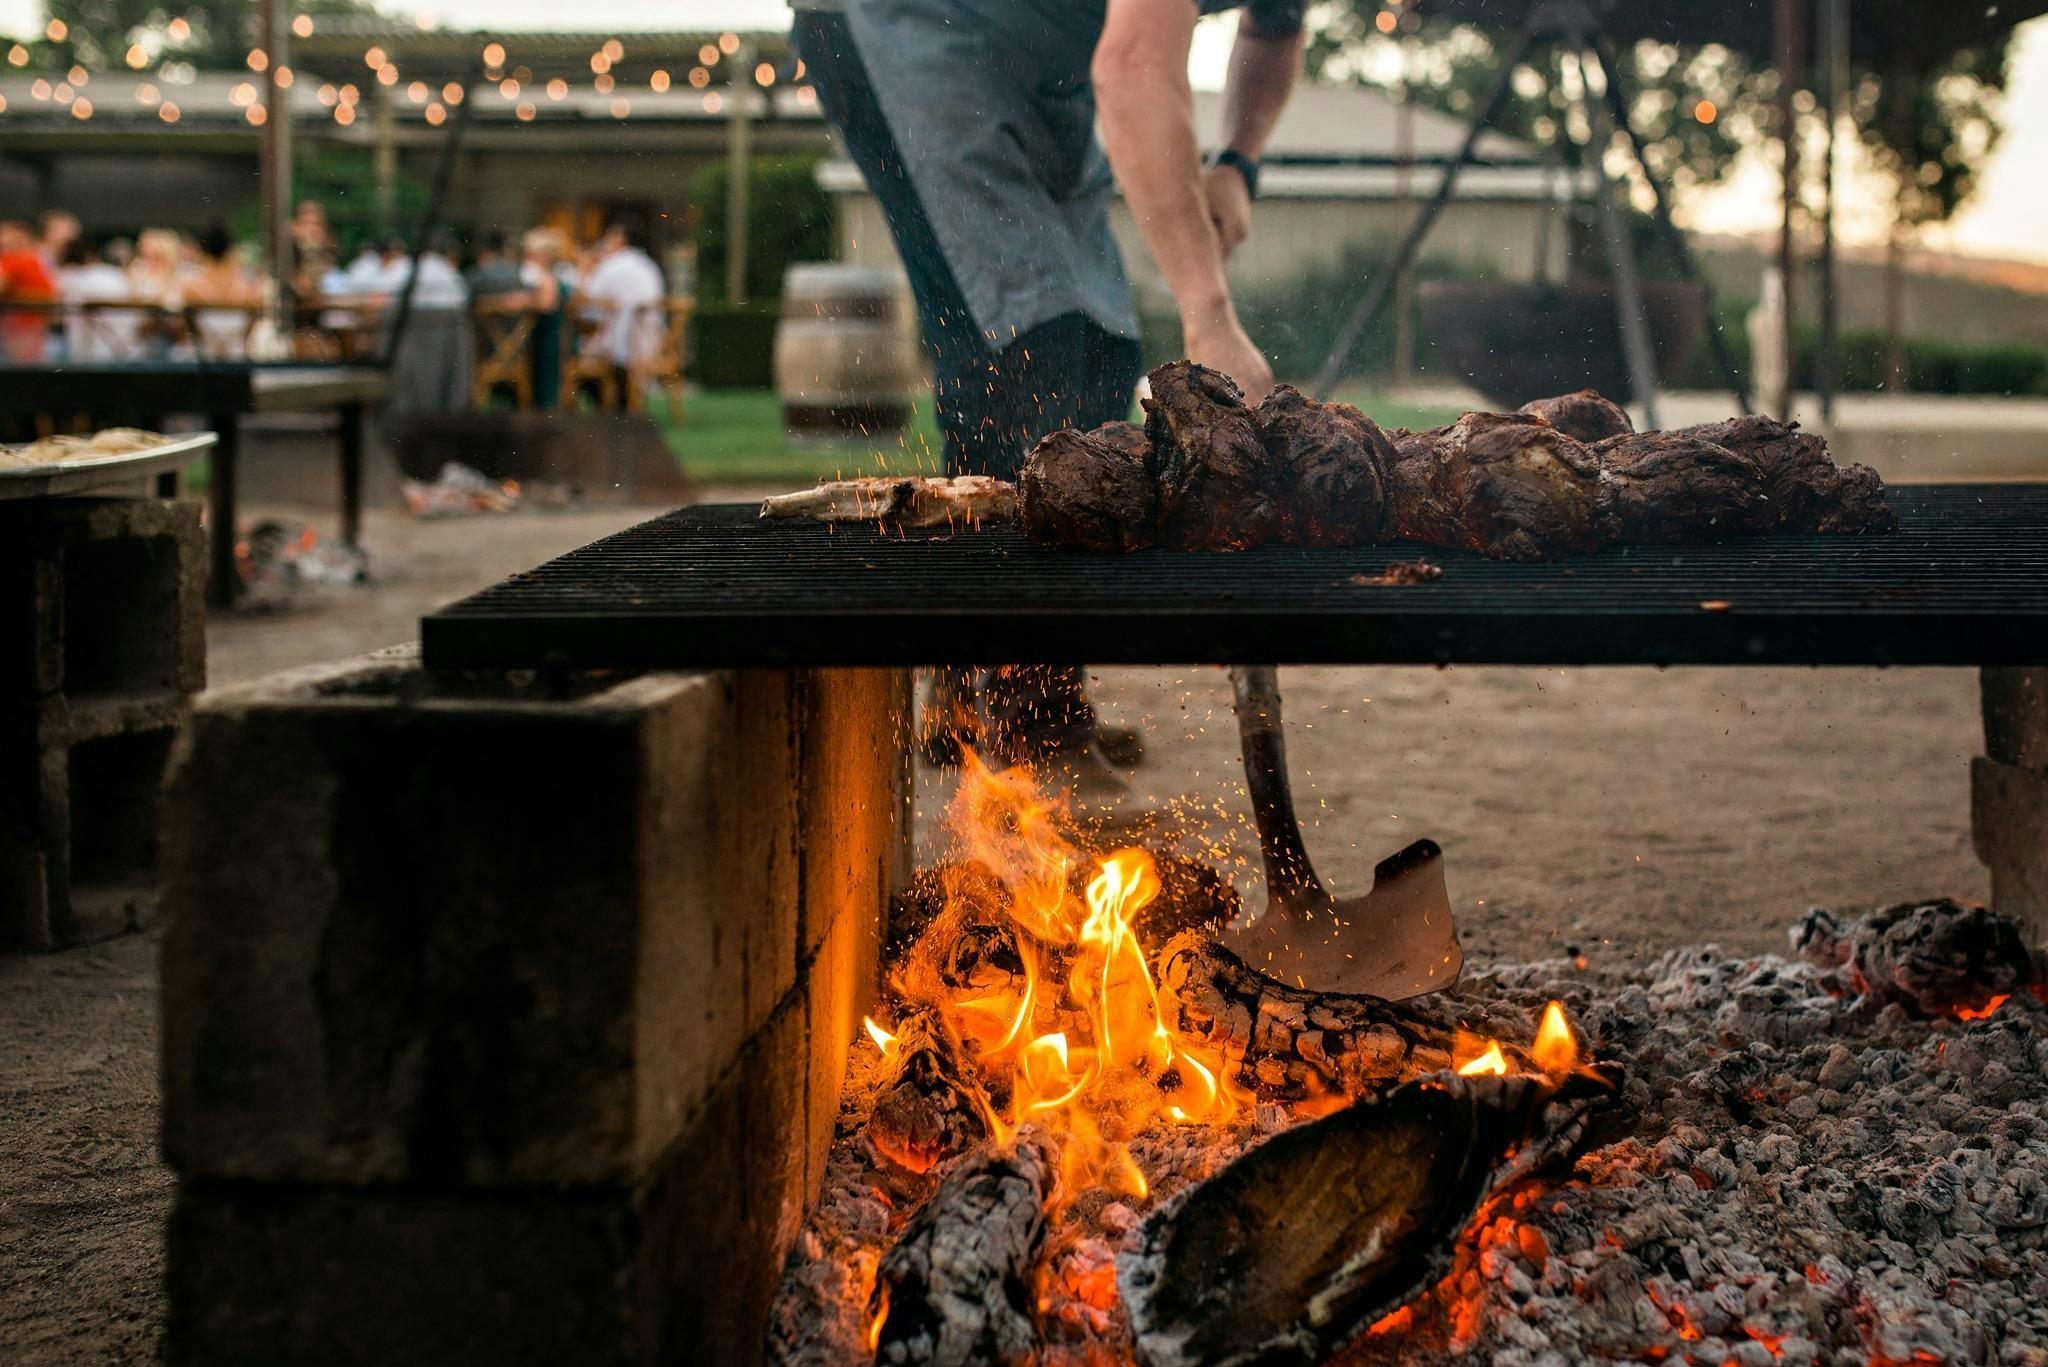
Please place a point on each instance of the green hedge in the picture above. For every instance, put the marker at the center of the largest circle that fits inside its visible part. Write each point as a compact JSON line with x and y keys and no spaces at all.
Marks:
{"x":734,"y":347}
{"x":789,"y":219}
{"x":1933,"y":366}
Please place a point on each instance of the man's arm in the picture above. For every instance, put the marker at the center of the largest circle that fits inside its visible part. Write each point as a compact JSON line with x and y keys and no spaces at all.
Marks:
{"x":1262,"y":72}
{"x":1140,"y":73}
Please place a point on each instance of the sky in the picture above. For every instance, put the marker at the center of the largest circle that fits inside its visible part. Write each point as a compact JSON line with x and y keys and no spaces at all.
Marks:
{"x":2003,"y":220}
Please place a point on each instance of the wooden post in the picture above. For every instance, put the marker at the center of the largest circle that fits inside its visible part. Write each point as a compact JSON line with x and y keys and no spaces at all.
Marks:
{"x":1790,"y":59}
{"x":384,"y":155}
{"x":276,"y":161}
{"x":1834,"y":56}
{"x":1404,"y":208}
{"x":2009,"y":795}
{"x":738,"y":162}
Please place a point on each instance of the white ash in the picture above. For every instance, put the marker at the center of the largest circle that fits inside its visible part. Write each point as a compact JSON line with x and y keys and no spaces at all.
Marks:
{"x":1814,"y":1179}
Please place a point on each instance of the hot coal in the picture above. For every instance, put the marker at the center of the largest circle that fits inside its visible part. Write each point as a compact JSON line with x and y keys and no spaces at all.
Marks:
{"x":1585,"y":414}
{"x":1817,"y":1176}
{"x":1935,"y":958}
{"x":1670,"y":487}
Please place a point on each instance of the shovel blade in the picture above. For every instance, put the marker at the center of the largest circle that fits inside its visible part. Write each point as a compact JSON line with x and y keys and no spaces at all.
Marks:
{"x":1406,"y":919}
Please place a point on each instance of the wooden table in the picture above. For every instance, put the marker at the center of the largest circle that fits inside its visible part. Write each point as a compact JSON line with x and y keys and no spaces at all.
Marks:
{"x":144,"y":392}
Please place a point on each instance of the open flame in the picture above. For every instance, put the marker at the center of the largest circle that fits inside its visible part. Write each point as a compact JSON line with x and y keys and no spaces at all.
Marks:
{"x":1491,"y":1062}
{"x":1555,"y":1049}
{"x":1982,"y":1012}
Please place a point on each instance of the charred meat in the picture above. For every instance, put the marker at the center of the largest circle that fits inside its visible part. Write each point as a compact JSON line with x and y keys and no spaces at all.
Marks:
{"x":1334,"y":460}
{"x":1807,"y":490}
{"x":1089,"y":489}
{"x":1585,"y":414}
{"x":1508,"y":486}
{"x":1219,"y":488}
{"x":1667,"y":487}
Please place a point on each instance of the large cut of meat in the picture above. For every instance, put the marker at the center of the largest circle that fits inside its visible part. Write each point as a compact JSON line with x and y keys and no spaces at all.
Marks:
{"x":1089,"y":489}
{"x":1670,"y":487}
{"x":1808,"y":490}
{"x":1334,"y":460}
{"x":1565,"y":474}
{"x":1219,"y":488}
{"x":1586,"y":414}
{"x":1506,"y":485}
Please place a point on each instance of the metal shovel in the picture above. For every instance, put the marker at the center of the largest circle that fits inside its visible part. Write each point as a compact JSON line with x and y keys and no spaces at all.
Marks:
{"x":1396,"y":941}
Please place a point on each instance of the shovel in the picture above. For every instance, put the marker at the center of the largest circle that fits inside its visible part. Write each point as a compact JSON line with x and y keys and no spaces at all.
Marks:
{"x":1396,"y":941}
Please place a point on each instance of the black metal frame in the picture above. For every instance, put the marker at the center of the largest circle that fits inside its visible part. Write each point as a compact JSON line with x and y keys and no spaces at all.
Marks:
{"x":1580,"y":27}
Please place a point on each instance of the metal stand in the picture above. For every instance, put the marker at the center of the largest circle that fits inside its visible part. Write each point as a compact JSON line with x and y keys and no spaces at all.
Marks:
{"x":1580,"y":29}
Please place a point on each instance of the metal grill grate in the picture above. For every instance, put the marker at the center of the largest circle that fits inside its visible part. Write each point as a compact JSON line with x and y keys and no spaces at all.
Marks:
{"x":1965,"y":581}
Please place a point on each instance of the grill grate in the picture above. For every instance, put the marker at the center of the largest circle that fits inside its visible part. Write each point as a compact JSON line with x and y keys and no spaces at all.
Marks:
{"x":1965,"y":581}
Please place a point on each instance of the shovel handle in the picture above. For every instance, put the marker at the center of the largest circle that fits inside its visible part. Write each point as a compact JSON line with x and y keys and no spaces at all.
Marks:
{"x":1290,"y":877}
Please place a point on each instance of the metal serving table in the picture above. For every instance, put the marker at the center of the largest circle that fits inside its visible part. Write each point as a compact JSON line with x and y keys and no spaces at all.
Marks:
{"x":1964,"y":581}
{"x":143,"y":392}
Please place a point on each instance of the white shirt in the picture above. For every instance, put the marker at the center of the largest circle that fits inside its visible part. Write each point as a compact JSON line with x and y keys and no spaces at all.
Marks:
{"x":441,"y":286}
{"x":99,"y":334}
{"x":626,"y":283}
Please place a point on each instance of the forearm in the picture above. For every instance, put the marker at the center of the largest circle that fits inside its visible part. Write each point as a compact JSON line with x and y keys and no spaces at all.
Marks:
{"x":1147,"y":112}
{"x":1262,"y":73}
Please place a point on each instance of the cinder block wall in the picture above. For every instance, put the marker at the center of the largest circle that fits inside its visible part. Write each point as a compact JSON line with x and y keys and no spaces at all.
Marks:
{"x":509,"y":1028}
{"x":102,"y":644}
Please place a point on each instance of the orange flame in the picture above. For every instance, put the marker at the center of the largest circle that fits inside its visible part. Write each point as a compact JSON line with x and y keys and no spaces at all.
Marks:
{"x":1982,"y":1012}
{"x":885,"y":1040}
{"x":1491,"y":1063}
{"x":1555,"y":1051}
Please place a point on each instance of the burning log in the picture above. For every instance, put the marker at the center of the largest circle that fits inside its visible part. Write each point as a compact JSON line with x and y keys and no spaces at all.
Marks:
{"x":931,"y":1108}
{"x":1302,"y":1244}
{"x":1289,"y":1043}
{"x":1936,"y":958}
{"x":955,"y":1290}
{"x":912,"y":501}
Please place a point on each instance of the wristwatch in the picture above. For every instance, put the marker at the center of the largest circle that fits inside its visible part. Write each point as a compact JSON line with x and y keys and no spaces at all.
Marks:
{"x":1242,"y":164}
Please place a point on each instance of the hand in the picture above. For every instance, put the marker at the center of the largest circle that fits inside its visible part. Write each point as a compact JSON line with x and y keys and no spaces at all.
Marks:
{"x":1230,"y":206}
{"x":1219,"y":342}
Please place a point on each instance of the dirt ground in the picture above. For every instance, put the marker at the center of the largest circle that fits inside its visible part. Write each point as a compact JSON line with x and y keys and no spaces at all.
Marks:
{"x":1620,"y":811}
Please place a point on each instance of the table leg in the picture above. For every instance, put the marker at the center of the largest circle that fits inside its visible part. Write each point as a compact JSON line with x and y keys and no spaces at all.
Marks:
{"x":351,"y":473}
{"x":222,"y":584}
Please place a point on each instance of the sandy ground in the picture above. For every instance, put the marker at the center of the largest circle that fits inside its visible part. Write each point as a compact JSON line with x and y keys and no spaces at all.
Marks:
{"x":1621,"y":811}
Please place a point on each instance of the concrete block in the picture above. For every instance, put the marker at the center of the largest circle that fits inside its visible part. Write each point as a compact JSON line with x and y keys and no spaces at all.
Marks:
{"x":468,"y":933}
{"x":856,"y":782}
{"x":677,"y":1269}
{"x":2009,"y":829}
{"x":2016,"y":717}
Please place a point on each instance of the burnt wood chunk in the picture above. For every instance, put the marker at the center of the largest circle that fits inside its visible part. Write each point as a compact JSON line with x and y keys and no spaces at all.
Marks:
{"x":1334,"y":460}
{"x":1667,"y":487}
{"x":1288,"y":1043}
{"x":1302,"y":1244}
{"x":931,"y":1108}
{"x":1219,"y":489}
{"x":955,"y":1290}
{"x":1508,"y":486}
{"x":1809,"y":492}
{"x":1092,"y":490}
{"x":1586,"y":414}
{"x":1936,"y":958}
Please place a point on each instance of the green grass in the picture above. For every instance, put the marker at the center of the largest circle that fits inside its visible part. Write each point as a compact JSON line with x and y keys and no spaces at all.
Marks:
{"x":735,"y":436}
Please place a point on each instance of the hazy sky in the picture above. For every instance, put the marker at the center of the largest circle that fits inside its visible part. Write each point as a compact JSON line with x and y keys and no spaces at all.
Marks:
{"x":2004,"y":219}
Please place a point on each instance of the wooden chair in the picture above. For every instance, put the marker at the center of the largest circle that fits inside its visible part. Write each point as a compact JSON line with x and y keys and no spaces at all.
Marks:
{"x":665,"y":366}
{"x":504,"y":358}
{"x":584,"y":366}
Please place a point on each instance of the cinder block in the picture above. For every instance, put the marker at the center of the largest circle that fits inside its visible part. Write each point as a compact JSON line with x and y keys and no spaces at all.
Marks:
{"x":467,"y":933}
{"x":856,"y":782}
{"x":101,"y":644}
{"x":677,"y":1269}
{"x":2009,"y":829}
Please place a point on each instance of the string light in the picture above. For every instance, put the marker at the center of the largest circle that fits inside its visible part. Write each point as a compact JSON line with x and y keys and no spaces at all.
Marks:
{"x":243,"y":95}
{"x":56,"y":30}
{"x":135,"y":56}
{"x":374,"y":58}
{"x":167,"y":111}
{"x":387,"y":74}
{"x":417,"y":92}
{"x":349,"y":94}
{"x":699,"y":77}
{"x":303,"y":26}
{"x":329,"y":96}
{"x":345,"y":115}
{"x":1385,"y":20}
{"x":658,"y":81}
{"x":436,"y":112}
{"x":17,"y":55}
{"x":603,"y":84}
{"x":613,"y":49}
{"x":728,"y":43}
{"x":494,"y":54}
{"x":78,"y":76}
{"x":147,"y":93}
{"x":63,"y":93}
{"x":40,"y":89}
{"x":180,"y":31}
{"x":3,"y":104}
{"x":713,"y":102}
{"x":258,"y":59}
{"x":557,"y":88}
{"x":525,"y":112}
{"x":284,"y":78}
{"x":509,"y":88}
{"x":621,"y":108}
{"x":805,"y":95}
{"x":600,"y":63}
{"x":452,"y":92}
{"x":1705,"y":112}
{"x":81,"y":108}
{"x":256,"y":114}
{"x":708,"y":54}
{"x":764,"y":74}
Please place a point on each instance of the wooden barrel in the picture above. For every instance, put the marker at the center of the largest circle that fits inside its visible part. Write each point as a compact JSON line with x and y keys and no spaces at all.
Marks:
{"x":848,"y":355}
